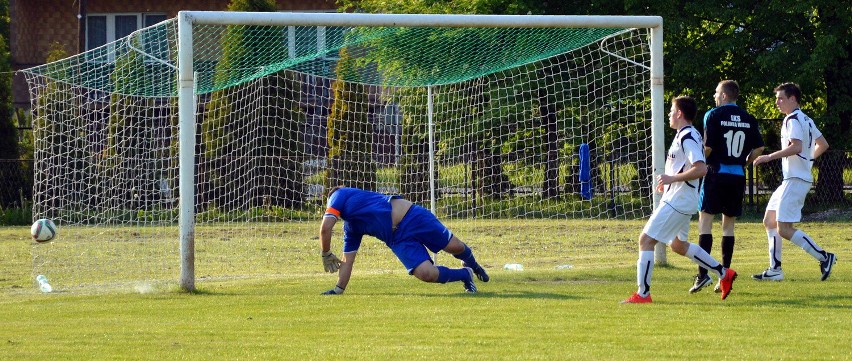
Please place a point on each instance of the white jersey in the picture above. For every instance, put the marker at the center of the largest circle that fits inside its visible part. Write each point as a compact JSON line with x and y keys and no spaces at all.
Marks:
{"x":686,"y":149}
{"x":799,"y":126}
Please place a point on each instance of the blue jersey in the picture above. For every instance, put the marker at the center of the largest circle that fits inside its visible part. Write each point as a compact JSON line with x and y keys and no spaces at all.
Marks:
{"x":363,"y":212}
{"x":732,"y":133}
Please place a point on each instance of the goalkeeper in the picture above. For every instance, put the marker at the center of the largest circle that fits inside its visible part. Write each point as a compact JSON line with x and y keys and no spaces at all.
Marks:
{"x":409,"y":230}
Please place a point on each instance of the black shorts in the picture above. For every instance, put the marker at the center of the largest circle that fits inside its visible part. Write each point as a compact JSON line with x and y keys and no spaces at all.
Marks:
{"x":723,"y":193}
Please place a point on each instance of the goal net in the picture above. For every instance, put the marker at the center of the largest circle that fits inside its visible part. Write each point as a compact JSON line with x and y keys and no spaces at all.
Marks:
{"x":502,"y":131}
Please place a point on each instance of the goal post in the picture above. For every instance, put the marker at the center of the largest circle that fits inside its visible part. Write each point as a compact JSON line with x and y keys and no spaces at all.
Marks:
{"x":186,"y":20}
{"x":215,"y":135}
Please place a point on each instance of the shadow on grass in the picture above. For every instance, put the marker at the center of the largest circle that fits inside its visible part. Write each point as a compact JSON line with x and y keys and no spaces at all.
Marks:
{"x":493,"y":294}
{"x":828,"y":302}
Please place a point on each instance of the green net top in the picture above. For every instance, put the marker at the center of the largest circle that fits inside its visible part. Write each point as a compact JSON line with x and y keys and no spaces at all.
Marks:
{"x":145,"y":62}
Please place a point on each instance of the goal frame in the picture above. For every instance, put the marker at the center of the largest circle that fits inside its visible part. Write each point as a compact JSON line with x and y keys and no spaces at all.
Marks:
{"x":187,"y":100}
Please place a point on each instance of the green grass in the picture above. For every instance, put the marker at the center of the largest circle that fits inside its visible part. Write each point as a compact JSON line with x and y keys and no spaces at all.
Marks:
{"x":538,"y":314}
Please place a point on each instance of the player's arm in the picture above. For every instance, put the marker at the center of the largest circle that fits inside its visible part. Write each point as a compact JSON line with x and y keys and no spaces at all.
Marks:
{"x":330,"y":262}
{"x":698,"y":170}
{"x":325,"y":233}
{"x":794,"y":147}
{"x":756,"y":152}
{"x":820,"y":147}
{"x":709,"y":131}
{"x":345,"y":273}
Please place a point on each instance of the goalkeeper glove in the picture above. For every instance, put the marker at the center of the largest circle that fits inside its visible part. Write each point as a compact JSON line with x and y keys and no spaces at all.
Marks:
{"x":337,"y":290}
{"x":330,"y":262}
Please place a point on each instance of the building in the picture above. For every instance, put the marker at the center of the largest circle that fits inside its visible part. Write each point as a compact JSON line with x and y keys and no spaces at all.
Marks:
{"x":80,"y":25}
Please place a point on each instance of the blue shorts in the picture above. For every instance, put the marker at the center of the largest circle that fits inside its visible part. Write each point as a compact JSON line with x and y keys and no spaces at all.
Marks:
{"x":418,"y":231}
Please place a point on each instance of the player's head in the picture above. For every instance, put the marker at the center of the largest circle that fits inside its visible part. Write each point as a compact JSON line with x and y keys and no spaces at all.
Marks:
{"x":682,"y":107}
{"x":787,"y":97}
{"x":727,"y":92}
{"x":332,"y":190}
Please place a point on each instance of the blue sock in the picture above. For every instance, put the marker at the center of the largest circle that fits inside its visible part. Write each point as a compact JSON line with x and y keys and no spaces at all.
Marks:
{"x":452,"y":274}
{"x":467,"y":257}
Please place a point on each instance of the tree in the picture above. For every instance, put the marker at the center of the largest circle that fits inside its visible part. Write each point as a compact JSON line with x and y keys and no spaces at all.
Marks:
{"x":349,"y":130}
{"x":231,"y":138}
{"x":762,"y":44}
{"x":8,"y":131}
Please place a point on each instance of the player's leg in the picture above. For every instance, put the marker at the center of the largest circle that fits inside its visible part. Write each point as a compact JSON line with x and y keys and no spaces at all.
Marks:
{"x":699,"y":256}
{"x":710,"y":199}
{"x":728,"y":239}
{"x":416,"y":259}
{"x":661,"y":227}
{"x":705,"y":241}
{"x":770,"y":222}
{"x":703,"y":259}
{"x":803,"y":240}
{"x":644,"y":270}
{"x":461,"y":251}
{"x":732,"y":207}
{"x":789,"y":212}
{"x":421,"y":232}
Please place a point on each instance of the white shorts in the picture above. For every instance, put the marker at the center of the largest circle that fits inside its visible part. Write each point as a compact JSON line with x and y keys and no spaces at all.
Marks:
{"x":666,"y":223}
{"x":787,"y":201}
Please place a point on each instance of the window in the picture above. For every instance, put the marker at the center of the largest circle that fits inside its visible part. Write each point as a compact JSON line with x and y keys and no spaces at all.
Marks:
{"x":106,"y":28}
{"x":309,"y":40}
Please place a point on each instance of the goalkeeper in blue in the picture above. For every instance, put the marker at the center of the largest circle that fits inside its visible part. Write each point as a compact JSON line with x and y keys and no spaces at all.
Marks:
{"x":409,"y":230}
{"x":669,"y":223}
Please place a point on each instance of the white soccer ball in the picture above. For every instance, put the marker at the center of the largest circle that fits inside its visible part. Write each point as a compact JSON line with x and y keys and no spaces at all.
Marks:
{"x":43,"y":230}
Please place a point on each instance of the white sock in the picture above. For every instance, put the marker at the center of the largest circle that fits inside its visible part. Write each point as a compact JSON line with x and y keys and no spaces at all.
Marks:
{"x":801,"y":239}
{"x":775,"y":242}
{"x":704,"y":259}
{"x":644,"y":269}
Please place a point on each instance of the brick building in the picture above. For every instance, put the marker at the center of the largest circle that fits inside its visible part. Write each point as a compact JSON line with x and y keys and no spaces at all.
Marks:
{"x":79,"y":25}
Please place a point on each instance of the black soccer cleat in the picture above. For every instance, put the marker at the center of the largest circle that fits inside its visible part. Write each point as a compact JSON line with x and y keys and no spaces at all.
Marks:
{"x":825,"y":266}
{"x":478,"y":271}
{"x":701,"y":281}
{"x":469,"y":285}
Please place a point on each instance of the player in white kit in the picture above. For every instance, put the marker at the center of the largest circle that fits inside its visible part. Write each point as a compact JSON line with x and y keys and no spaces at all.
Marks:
{"x":801,"y":143}
{"x":669,"y":223}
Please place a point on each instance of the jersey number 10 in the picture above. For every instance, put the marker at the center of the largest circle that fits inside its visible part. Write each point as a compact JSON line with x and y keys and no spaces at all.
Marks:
{"x":735,"y":142}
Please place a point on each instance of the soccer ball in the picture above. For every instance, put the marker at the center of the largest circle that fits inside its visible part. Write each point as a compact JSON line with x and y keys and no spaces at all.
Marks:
{"x":43,"y":230}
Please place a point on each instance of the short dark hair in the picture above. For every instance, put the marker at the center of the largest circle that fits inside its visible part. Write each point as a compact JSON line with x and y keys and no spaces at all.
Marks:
{"x":731,"y":88}
{"x":791,"y":90}
{"x":333,"y":189}
{"x":687,"y":106}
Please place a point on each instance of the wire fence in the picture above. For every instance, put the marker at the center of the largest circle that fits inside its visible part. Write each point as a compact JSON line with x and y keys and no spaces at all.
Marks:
{"x":832,"y":188}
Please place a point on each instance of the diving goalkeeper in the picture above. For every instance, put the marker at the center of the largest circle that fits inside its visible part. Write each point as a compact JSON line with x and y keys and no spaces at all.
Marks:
{"x":409,"y":230}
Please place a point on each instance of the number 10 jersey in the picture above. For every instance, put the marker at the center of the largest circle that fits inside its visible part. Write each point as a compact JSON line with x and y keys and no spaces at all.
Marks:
{"x":731,"y":133}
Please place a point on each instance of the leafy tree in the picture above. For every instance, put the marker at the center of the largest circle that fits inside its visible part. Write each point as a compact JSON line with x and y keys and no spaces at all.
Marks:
{"x":8,"y":131}
{"x":230,"y":133}
{"x":349,"y":130}
{"x":758,"y":43}
{"x":762,"y":44}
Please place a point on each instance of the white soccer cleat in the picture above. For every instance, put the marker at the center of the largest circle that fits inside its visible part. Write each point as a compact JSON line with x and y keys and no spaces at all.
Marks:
{"x":769,"y":275}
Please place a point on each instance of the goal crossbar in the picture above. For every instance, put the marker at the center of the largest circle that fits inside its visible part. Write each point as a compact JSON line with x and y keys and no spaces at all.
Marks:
{"x":419,"y":20}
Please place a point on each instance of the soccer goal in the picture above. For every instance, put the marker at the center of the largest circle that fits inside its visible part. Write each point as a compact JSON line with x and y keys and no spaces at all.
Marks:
{"x":214,"y":135}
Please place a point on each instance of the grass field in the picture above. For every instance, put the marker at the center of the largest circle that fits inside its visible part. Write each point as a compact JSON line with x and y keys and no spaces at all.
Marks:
{"x":541,"y":313}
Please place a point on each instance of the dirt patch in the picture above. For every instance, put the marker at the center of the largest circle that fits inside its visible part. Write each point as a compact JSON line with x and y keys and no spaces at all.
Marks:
{"x":829,"y":215}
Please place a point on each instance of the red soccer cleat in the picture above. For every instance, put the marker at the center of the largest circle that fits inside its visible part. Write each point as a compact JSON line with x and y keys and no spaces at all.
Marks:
{"x":637,"y":299}
{"x":727,"y":282}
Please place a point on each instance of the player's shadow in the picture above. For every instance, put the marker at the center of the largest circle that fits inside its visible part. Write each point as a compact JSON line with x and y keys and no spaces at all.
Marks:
{"x":499,"y":294}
